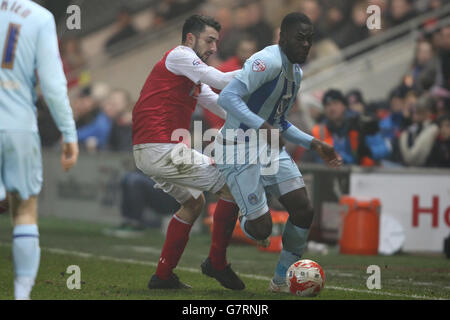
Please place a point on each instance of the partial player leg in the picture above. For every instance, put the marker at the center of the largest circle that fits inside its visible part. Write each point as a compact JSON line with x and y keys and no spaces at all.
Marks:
{"x":216,"y":265}
{"x":26,"y":250}
{"x":295,"y":234}
{"x":21,"y":177}
{"x":177,"y":237}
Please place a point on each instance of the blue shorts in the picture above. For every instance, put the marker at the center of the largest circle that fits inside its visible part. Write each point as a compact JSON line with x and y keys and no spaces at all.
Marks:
{"x":20,"y":163}
{"x":248,"y":182}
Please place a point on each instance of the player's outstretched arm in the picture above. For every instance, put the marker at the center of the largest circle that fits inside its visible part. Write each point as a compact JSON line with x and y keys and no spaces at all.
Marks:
{"x":182,"y":61}
{"x":231,"y":100}
{"x":69,"y":156}
{"x":53,"y":81}
{"x":327,"y":153}
{"x":298,"y":137}
{"x":208,"y":99}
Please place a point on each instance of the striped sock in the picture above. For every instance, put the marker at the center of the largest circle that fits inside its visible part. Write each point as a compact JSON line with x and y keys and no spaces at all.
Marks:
{"x":26,"y":256}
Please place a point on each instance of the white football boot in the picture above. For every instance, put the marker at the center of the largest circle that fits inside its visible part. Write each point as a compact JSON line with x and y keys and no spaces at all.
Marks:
{"x":273,"y":287}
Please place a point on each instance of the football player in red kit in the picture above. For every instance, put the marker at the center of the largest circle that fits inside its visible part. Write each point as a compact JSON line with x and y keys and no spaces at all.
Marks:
{"x":177,"y":83}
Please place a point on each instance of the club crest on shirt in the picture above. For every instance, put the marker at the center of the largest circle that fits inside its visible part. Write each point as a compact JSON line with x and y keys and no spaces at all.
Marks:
{"x":197,"y":62}
{"x":252,"y":198}
{"x":258,"y":65}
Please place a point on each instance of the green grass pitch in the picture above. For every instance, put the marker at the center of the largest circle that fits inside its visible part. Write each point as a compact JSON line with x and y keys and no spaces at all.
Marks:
{"x":113,"y":268}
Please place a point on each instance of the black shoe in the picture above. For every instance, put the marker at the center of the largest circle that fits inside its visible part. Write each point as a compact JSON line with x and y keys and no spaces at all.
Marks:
{"x":172,"y":283}
{"x":226,"y":277}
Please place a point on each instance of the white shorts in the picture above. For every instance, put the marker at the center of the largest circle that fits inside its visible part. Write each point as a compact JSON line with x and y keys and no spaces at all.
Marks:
{"x":178,"y":170}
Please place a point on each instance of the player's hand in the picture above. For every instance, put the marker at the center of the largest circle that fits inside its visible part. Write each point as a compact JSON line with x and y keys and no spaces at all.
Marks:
{"x":270,"y":129}
{"x":327,"y":153}
{"x":69,"y":155}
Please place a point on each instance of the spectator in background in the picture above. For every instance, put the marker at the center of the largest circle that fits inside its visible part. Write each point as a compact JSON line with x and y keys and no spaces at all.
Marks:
{"x":400,"y":11}
{"x":335,"y":19}
{"x":95,"y":135}
{"x":85,"y":107}
{"x":397,"y":119}
{"x":224,"y":16}
{"x":344,"y":130}
{"x":230,"y":40}
{"x":138,"y":195}
{"x":356,"y":102}
{"x":259,"y":28}
{"x":417,"y":140}
{"x":166,"y":10}
{"x":440,"y":153}
{"x":443,"y":47}
{"x":124,"y":30}
{"x":380,"y":147}
{"x":424,"y":66}
{"x":121,"y":133}
{"x":72,"y":59}
{"x":356,"y":29}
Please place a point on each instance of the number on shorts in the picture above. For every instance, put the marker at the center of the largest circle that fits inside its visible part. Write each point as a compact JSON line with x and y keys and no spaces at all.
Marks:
{"x":9,"y":50}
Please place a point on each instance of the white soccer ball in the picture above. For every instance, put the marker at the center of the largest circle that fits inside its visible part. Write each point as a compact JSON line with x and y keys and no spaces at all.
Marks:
{"x":305,"y":278}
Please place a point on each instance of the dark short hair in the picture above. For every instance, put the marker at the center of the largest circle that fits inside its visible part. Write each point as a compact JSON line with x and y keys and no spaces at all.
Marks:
{"x":292,"y":19}
{"x":196,"y":24}
{"x":333,"y":95}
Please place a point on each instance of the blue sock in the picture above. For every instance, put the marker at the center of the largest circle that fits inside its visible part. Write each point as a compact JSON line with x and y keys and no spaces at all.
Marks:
{"x":294,"y":244}
{"x":26,"y":256}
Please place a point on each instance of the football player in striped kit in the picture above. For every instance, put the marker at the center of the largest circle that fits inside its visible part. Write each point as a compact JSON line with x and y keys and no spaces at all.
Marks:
{"x":29,"y":45}
{"x":259,"y":98}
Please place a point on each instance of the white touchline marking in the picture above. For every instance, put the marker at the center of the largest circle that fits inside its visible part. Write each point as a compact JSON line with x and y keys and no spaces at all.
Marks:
{"x":194,"y":270}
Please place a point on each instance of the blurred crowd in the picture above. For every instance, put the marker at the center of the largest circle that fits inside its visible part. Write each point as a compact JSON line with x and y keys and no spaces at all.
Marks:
{"x":410,"y":127}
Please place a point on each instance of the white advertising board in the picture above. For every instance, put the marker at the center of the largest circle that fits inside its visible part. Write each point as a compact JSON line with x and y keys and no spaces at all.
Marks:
{"x":419,"y":202}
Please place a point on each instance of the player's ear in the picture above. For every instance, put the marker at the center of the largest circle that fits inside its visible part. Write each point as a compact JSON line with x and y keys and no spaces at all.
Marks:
{"x":190,"y":39}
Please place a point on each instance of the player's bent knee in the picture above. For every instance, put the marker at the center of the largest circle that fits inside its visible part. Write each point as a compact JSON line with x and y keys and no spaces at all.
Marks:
{"x":195,"y":206}
{"x":260,"y":228}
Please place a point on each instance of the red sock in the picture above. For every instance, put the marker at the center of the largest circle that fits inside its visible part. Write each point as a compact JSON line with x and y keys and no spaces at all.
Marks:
{"x":177,"y":237}
{"x":224,"y":221}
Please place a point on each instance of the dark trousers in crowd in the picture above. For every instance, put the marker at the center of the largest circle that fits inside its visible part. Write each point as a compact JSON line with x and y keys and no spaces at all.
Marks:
{"x":139,"y":194}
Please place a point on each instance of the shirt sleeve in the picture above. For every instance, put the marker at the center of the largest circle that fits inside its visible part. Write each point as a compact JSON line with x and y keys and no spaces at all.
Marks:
{"x":182,"y":61}
{"x":53,"y":81}
{"x":259,"y":69}
{"x":295,"y":135}
{"x":208,"y":99}
{"x":231,"y":100}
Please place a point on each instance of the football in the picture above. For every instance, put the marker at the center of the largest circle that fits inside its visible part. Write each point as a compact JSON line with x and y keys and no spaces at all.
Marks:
{"x":305,"y":278}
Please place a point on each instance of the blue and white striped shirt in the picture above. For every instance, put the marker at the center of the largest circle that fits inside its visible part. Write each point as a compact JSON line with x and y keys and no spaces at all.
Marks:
{"x":268,"y":85}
